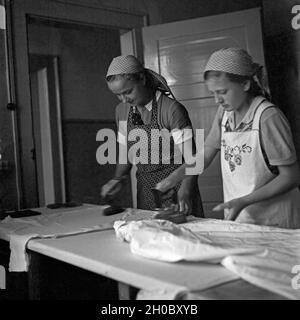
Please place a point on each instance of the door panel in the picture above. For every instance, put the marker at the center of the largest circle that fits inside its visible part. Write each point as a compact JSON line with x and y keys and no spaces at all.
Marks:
{"x":179,"y":52}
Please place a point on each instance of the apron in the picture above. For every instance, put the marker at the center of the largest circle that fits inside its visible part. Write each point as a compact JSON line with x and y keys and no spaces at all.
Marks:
{"x":148,"y":175}
{"x":244,"y":170}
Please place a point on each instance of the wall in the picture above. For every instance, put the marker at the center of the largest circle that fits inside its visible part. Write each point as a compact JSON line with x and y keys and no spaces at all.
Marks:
{"x":8,"y":191}
{"x":181,"y":10}
{"x":282,"y":50}
{"x":83,"y":55}
{"x":164,"y":11}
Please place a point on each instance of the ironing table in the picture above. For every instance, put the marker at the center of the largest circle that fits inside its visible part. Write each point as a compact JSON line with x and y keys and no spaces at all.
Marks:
{"x":101,"y":254}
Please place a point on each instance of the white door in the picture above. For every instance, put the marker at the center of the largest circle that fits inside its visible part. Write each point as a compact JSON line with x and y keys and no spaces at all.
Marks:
{"x":179,"y":52}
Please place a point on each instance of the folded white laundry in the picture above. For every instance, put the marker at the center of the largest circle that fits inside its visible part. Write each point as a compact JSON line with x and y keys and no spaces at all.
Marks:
{"x":261,"y":255}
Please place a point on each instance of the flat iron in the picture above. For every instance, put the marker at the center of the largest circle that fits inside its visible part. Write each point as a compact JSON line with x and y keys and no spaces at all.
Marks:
{"x":112,"y":208}
{"x":168,"y":213}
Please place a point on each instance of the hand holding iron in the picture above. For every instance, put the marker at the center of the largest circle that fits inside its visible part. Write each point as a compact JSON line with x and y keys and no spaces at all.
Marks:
{"x":111,"y":188}
{"x":166,"y":184}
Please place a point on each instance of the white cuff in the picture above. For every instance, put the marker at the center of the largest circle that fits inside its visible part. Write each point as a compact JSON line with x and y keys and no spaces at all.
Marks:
{"x":183,"y":135}
{"x":121,"y":139}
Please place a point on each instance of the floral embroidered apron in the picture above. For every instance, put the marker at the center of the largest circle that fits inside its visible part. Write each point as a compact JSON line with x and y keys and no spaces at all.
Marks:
{"x":244,"y":170}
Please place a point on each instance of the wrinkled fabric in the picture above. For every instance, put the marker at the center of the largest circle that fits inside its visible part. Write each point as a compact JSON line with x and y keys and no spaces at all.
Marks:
{"x":54,"y":225}
{"x":261,"y":255}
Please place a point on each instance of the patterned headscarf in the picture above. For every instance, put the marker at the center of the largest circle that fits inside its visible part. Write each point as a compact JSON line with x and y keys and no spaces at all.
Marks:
{"x":129,"y":64}
{"x":238,"y":61}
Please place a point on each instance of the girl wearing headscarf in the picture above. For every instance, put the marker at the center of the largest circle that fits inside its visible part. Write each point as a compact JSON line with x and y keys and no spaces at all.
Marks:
{"x":258,"y":159}
{"x":147,"y":104}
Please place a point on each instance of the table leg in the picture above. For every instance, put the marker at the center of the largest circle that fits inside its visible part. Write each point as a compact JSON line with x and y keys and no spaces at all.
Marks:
{"x":34,"y":276}
{"x":126,"y":292}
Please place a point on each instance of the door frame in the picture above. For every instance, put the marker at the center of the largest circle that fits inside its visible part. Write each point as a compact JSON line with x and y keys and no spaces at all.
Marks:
{"x":47,"y":128}
{"x":20,"y":11}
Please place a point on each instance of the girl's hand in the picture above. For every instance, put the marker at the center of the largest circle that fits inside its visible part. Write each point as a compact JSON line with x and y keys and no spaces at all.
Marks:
{"x":184,"y":201}
{"x":166,"y":184}
{"x":111,"y":188}
{"x":231,"y":208}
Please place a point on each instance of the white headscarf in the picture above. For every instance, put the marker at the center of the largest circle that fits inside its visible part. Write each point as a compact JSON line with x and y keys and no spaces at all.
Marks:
{"x":237,"y":61}
{"x":128,"y":64}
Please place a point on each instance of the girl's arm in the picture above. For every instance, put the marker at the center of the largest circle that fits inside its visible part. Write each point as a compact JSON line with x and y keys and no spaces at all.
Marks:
{"x":287,"y":179}
{"x":180,"y":173}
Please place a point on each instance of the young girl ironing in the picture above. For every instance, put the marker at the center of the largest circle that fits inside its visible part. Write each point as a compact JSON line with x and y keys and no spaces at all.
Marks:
{"x":258,"y":159}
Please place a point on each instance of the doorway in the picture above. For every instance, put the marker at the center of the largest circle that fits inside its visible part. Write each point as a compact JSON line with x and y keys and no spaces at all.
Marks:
{"x":69,"y":106}
{"x":58,"y":132}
